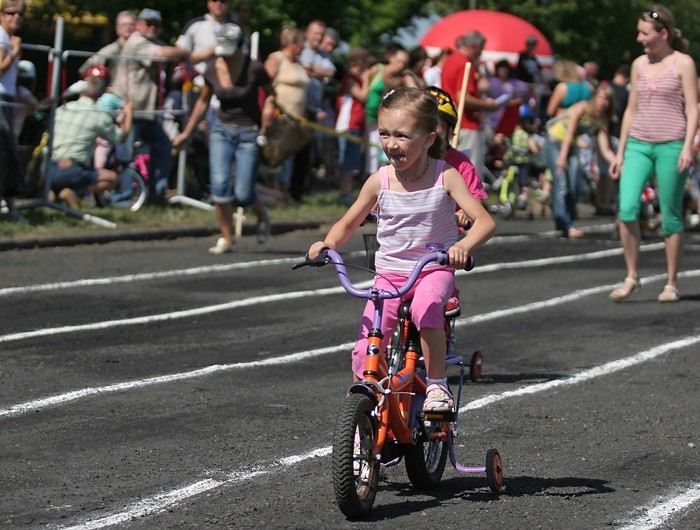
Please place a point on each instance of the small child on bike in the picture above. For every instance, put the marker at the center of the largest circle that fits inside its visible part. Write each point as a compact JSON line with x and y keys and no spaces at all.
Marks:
{"x":416,"y":195}
{"x":521,"y":150}
{"x":447,"y":112}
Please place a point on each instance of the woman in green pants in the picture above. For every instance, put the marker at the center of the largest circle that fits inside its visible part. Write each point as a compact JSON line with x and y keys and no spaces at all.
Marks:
{"x":656,"y":138}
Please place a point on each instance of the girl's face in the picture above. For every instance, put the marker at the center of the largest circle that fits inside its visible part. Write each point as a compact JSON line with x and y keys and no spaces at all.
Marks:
{"x":503,"y":72}
{"x":650,"y":39}
{"x":398,"y":61}
{"x":403,"y":141}
{"x":601,"y":102}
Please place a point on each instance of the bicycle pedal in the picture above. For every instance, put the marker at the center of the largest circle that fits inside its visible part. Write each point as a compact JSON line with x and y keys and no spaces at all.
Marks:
{"x":426,"y":415}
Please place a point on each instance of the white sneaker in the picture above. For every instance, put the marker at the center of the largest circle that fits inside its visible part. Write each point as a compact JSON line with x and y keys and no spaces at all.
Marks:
{"x":222,"y":247}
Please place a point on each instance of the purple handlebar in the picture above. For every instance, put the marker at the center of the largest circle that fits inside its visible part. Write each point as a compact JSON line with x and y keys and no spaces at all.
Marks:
{"x":337,"y":260}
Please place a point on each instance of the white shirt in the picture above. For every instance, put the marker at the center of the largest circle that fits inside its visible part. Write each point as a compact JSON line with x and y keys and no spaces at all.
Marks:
{"x":433,"y":76}
{"x":8,"y":80}
{"x":199,"y":35}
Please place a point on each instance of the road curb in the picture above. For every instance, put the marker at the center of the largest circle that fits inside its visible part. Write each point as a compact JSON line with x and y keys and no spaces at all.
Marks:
{"x":152,"y":234}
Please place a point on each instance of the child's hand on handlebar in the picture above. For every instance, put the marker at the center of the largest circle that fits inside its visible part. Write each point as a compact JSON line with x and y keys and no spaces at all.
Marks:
{"x":316,"y":248}
{"x":458,"y":257}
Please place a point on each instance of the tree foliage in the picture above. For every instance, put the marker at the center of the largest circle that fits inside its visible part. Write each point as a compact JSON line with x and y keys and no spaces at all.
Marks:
{"x":600,"y":30}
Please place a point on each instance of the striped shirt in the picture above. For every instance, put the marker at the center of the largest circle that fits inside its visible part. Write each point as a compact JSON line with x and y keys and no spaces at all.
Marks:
{"x":660,"y":108}
{"x":77,"y":126}
{"x":408,"y":221}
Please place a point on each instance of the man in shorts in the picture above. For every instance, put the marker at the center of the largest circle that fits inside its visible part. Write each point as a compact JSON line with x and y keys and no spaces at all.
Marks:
{"x":77,"y":125}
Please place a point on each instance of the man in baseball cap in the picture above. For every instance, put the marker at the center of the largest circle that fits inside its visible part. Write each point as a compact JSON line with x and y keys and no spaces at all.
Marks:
{"x":138,"y":80}
{"x":150,"y":15}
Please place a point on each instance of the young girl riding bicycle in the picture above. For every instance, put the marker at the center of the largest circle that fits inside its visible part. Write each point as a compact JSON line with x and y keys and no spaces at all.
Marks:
{"x":416,"y":196}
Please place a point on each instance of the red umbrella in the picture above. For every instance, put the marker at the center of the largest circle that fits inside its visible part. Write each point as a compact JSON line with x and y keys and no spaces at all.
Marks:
{"x":505,"y":35}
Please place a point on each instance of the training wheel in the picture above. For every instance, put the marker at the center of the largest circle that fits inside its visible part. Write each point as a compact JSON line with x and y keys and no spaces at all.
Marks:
{"x":475,"y":366}
{"x":506,"y":210}
{"x":494,"y":470}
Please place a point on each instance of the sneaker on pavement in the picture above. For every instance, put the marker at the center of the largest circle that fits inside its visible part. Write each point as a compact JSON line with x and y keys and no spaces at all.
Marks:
{"x":263,"y":230}
{"x":263,"y":233}
{"x":222,"y":247}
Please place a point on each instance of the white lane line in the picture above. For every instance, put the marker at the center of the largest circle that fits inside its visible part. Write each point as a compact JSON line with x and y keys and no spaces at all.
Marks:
{"x":210,"y":269}
{"x":175,"y":315}
{"x":591,"y":229}
{"x":161,"y":502}
{"x":658,"y":513}
{"x":129,"y":278}
{"x":543,"y":262}
{"x":159,"y":275}
{"x":68,"y":397}
{"x":188,"y":313}
{"x":167,"y":500}
{"x":596,"y":371}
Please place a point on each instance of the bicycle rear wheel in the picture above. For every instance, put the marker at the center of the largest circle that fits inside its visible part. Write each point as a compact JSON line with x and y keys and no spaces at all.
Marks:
{"x":355,"y":470}
{"x":425,"y":461}
{"x":132,"y":192}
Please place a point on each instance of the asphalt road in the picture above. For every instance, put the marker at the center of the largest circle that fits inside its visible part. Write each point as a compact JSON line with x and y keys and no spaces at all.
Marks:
{"x":150,"y":385}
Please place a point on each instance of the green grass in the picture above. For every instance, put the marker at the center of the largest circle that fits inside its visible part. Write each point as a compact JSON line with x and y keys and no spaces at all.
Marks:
{"x":45,"y":221}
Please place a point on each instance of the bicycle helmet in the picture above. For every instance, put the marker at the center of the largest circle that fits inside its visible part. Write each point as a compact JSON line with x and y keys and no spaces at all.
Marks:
{"x":98,"y":71}
{"x":26,"y":69}
{"x":446,"y":106}
{"x":526,"y":112}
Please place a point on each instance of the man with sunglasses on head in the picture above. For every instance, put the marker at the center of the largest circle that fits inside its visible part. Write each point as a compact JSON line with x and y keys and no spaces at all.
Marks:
{"x":138,"y":79}
{"x":199,"y":36}
{"x":204,"y":38}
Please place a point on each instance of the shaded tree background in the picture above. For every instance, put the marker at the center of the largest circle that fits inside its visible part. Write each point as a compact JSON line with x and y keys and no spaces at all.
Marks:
{"x":601,"y":30}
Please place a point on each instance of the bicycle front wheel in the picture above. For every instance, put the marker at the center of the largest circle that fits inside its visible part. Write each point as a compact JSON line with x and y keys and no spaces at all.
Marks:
{"x":355,"y":468}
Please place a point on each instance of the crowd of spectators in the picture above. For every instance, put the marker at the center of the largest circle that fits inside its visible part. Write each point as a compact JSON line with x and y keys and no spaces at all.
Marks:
{"x":505,"y":105}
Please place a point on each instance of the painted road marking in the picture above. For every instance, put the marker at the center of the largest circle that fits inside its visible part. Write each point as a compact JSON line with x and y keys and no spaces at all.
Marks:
{"x":212,"y":269}
{"x":658,"y":513}
{"x":188,"y":313}
{"x":167,"y":500}
{"x":61,"y":399}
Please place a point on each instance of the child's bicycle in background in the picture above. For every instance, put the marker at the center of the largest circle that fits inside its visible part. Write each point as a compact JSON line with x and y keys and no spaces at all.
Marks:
{"x":649,"y":214}
{"x":382,"y":420}
{"x":510,"y":193}
{"x":133,"y":181}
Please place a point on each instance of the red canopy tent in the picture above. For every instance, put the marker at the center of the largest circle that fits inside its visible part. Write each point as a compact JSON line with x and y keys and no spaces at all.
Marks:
{"x":505,"y":35}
